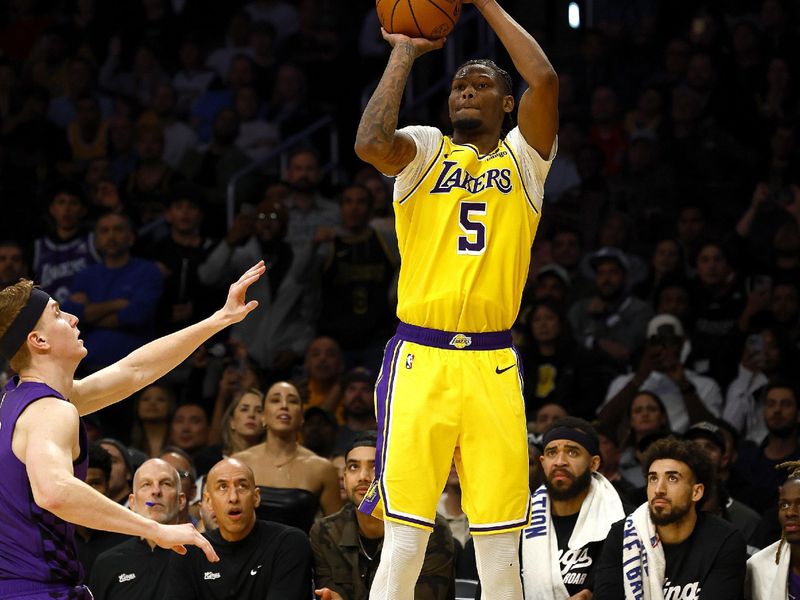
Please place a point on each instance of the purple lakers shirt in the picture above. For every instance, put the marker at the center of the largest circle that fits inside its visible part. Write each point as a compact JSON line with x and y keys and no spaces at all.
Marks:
{"x":37,"y":549}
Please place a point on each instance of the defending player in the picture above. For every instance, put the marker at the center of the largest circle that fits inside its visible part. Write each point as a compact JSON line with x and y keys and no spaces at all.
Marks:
{"x":467,"y":208}
{"x":43,"y":446}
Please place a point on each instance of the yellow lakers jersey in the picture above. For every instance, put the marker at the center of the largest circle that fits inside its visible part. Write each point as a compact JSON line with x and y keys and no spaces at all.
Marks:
{"x":465,"y":226}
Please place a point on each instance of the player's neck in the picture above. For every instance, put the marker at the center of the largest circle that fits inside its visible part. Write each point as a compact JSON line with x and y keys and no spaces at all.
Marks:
{"x":485,"y":141}
{"x":52,"y":374}
{"x":675,"y":533}
{"x":566,"y":508}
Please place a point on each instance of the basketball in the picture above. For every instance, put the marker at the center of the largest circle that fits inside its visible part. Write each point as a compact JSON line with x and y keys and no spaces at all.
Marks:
{"x":419,"y":18}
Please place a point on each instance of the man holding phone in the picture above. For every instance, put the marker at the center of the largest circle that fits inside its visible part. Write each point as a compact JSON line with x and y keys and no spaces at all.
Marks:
{"x":761,"y":363}
{"x":687,"y":396}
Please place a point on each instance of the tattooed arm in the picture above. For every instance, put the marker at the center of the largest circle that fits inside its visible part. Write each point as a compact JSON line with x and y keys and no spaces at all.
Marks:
{"x":377,"y":141}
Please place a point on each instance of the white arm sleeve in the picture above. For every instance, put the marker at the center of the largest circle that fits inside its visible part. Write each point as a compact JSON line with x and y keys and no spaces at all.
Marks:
{"x":427,"y":141}
{"x":533,"y":168}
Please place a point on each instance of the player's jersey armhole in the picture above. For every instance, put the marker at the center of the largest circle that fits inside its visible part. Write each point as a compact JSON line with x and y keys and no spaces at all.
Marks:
{"x":424,"y":175}
{"x":514,"y":157}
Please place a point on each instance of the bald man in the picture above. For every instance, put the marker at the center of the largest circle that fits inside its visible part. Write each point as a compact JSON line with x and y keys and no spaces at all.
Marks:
{"x":258,"y":559}
{"x":136,"y":569}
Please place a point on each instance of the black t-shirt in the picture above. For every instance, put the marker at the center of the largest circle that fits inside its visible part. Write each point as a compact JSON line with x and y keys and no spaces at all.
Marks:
{"x":577,"y":566}
{"x":709,"y":564}
{"x":130,"y":571}
{"x":272,"y":563}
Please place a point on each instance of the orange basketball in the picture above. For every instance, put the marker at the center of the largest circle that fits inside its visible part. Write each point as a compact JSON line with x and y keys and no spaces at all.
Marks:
{"x":419,"y":18}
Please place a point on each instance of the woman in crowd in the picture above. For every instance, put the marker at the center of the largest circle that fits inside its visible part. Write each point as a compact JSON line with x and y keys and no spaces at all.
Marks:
{"x":294,"y":482}
{"x":241,"y":427}
{"x":153,"y":412}
{"x":557,"y":369}
{"x":647,"y":418}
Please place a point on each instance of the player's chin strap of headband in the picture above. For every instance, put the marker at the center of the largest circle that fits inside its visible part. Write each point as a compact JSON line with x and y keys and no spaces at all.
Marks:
{"x":573,"y":435}
{"x":26,"y":320}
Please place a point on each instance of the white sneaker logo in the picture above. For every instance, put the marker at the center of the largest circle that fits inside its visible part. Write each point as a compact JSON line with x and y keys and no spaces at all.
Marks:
{"x":210,"y":575}
{"x":254,"y":571}
{"x":123,"y":577}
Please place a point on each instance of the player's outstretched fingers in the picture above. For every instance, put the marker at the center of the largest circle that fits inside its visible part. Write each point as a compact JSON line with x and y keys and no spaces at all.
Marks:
{"x":206,"y":547}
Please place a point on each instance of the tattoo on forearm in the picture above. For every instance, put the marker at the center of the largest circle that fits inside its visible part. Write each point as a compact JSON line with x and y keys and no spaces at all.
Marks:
{"x":379,"y":121}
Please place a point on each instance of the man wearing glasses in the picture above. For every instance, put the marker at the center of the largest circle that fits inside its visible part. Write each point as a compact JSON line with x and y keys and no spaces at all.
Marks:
{"x":278,"y":335}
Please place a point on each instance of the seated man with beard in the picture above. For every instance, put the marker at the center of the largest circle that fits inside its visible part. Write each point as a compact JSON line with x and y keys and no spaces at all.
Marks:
{"x":571,"y":514}
{"x":667,"y":548}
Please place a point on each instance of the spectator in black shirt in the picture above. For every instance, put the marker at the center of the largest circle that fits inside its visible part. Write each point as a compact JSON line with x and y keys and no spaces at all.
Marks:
{"x":576,"y":506}
{"x":667,"y":546}
{"x":136,"y":569}
{"x":258,"y":559}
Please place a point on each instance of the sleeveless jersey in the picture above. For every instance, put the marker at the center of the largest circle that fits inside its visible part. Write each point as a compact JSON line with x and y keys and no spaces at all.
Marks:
{"x":465,"y":226}
{"x":55,"y":263}
{"x":36,"y":547}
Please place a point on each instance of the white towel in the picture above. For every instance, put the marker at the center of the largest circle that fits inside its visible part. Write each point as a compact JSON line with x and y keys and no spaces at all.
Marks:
{"x":765,"y":580}
{"x":643,"y":563}
{"x":541,"y":569}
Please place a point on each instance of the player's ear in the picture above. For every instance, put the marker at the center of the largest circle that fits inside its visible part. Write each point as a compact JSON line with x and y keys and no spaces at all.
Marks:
{"x":595,"y":462}
{"x":508,"y":104}
{"x":37,"y":341}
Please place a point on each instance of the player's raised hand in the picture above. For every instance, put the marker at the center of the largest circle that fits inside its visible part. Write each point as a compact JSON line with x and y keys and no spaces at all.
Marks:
{"x":236,"y":307}
{"x":419,"y":45}
{"x":177,"y":537}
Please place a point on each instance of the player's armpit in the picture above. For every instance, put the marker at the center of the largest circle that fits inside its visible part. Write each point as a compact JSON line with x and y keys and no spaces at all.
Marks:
{"x":391,"y":158}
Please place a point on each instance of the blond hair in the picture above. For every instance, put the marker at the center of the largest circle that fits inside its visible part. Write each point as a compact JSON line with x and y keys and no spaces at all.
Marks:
{"x":12,"y":300}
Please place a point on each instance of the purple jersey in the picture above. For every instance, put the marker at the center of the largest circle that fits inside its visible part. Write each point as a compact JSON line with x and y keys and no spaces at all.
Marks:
{"x":55,"y":263}
{"x":37,"y":549}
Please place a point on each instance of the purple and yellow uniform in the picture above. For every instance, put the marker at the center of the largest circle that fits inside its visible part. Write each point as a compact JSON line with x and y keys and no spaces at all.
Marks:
{"x":450,"y":377}
{"x":38,"y":558}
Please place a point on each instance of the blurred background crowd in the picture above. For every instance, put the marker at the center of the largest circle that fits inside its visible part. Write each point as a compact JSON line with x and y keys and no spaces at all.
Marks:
{"x":152,"y":150}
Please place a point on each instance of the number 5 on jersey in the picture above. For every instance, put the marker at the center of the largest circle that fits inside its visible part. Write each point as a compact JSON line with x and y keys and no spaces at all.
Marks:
{"x":474,"y":239}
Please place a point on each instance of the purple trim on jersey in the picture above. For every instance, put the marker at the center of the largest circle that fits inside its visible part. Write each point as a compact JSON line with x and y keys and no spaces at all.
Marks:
{"x":383,"y":390}
{"x":513,"y":525}
{"x":36,"y":546}
{"x":452,"y":340}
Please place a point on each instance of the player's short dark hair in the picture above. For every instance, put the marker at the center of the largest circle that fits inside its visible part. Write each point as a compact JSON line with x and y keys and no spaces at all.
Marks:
{"x":502,"y":76}
{"x":99,"y":458}
{"x":686,"y":451}
{"x":367,"y":438}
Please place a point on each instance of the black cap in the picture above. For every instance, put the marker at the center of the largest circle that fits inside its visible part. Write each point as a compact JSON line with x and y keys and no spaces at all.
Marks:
{"x":707,"y":430}
{"x":358,"y":374}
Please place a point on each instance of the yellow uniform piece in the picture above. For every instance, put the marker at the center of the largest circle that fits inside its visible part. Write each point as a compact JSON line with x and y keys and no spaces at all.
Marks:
{"x":465,"y":230}
{"x":450,"y":377}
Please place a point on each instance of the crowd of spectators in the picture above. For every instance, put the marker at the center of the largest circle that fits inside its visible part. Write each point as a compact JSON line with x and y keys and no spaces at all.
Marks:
{"x":664,"y":290}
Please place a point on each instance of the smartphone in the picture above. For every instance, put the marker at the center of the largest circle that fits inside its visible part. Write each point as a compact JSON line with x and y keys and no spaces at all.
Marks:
{"x":755,"y":343}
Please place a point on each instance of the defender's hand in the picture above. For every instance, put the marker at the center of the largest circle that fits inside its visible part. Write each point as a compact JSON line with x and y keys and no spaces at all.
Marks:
{"x":177,"y":537}
{"x":420,"y":46}
{"x":236,"y":308}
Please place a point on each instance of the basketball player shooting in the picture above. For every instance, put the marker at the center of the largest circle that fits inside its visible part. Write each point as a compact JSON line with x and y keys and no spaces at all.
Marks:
{"x":43,"y":446}
{"x":467,"y":207}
